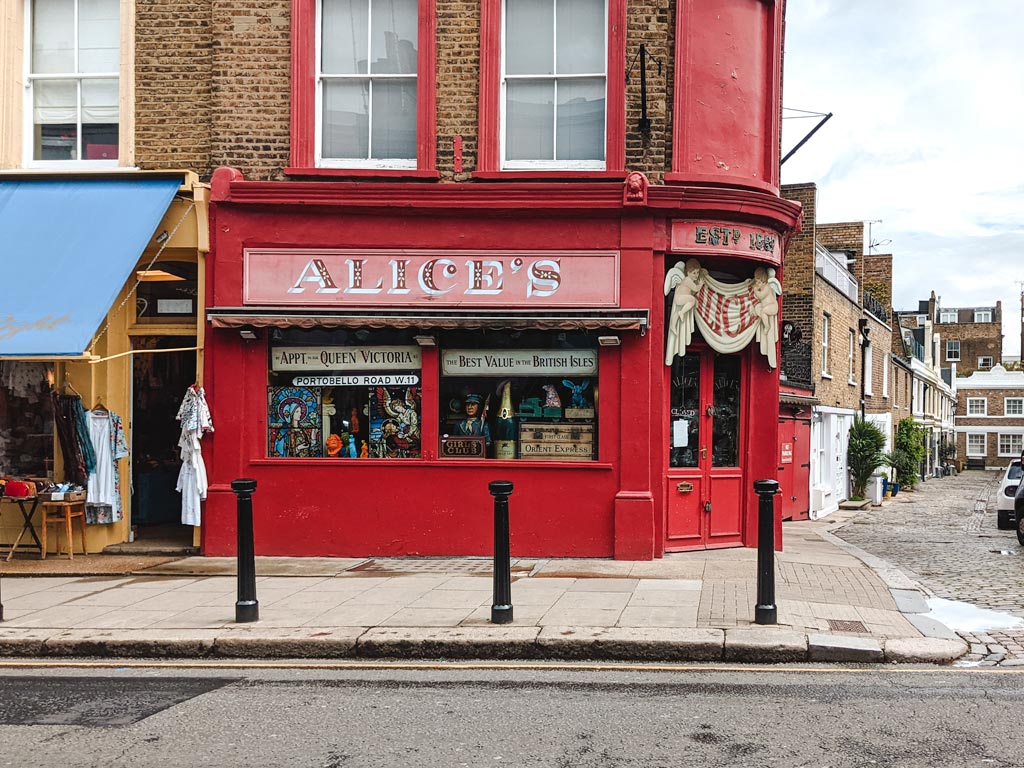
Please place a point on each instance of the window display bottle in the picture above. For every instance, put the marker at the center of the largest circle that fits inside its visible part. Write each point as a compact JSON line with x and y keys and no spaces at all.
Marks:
{"x":505,"y":428}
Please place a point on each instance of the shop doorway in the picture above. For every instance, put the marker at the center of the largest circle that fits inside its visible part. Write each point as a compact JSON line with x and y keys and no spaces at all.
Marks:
{"x":705,"y":482}
{"x":159,"y":382}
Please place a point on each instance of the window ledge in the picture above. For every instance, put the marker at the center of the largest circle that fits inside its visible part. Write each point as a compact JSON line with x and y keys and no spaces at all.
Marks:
{"x":410,"y":174}
{"x":826,"y":376}
{"x":549,"y":175}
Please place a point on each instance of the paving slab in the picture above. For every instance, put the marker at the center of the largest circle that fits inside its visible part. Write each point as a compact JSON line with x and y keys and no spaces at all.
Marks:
{"x":910,"y":600}
{"x":930,"y":627}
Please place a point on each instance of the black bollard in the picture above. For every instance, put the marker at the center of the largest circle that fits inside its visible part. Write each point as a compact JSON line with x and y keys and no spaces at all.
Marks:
{"x":765,"y":612}
{"x":1,"y":603}
{"x":247,"y":608}
{"x":501,"y":605}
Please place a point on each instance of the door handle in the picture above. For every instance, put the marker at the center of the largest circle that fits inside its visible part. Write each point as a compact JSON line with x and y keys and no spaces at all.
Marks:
{"x":707,"y":506}
{"x":710,"y":410}
{"x":704,"y":452}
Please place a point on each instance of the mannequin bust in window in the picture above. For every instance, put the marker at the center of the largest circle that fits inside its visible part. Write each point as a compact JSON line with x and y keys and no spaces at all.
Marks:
{"x":474,"y":423}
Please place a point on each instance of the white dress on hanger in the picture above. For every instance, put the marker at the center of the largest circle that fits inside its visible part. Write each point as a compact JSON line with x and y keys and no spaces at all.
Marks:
{"x":195,"y":418}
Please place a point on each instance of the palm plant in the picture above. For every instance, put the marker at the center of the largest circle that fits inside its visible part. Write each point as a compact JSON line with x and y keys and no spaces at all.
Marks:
{"x":864,"y":453}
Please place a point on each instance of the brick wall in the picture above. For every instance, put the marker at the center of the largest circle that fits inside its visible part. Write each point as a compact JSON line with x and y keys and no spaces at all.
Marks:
{"x":996,"y":403}
{"x":881,"y":345}
{"x":877,"y":278}
{"x":900,"y":393}
{"x":798,"y":262}
{"x":173,"y":40}
{"x":836,"y":391}
{"x":214,"y":85}
{"x":976,"y":339}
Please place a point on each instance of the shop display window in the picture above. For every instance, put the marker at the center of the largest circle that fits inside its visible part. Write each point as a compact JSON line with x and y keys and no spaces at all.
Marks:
{"x":26,"y":420}
{"x":529,"y":395}
{"x":343,"y":394}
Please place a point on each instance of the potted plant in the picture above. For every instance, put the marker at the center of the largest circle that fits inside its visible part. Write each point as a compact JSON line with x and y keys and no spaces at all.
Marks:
{"x":864,"y":454}
{"x":906,"y":456}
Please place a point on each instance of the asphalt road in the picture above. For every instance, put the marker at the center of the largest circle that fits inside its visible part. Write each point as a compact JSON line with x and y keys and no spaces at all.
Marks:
{"x":527,"y":716}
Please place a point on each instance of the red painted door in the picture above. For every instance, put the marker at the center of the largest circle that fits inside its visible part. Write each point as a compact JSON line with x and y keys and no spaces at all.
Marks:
{"x":795,"y":468}
{"x":705,"y":482}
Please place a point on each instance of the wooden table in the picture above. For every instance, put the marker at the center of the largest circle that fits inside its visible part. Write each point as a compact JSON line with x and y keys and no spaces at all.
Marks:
{"x":26,"y":515}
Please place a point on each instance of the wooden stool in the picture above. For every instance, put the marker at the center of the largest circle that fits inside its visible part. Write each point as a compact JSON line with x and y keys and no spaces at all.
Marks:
{"x":63,"y":512}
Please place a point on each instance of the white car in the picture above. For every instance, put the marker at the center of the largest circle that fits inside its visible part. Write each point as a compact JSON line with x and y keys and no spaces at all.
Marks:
{"x":1005,"y":518}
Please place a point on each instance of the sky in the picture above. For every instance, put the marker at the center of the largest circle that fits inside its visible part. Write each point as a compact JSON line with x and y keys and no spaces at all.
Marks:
{"x":927,"y":136}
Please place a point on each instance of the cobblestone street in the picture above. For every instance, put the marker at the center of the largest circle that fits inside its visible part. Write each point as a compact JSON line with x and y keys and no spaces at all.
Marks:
{"x":944,"y":536}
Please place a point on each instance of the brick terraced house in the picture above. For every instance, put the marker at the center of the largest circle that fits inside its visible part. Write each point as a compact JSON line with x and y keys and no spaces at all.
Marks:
{"x":990,"y":417}
{"x":837,"y":360}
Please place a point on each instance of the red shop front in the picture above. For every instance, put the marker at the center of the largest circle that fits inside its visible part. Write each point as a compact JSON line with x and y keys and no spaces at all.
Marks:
{"x":380,"y":352}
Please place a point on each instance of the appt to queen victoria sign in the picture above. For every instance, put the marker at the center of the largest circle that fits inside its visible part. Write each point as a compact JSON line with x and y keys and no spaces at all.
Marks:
{"x":438,"y":279}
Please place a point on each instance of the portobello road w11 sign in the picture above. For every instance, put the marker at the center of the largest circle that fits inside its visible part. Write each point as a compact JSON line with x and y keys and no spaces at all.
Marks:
{"x":333,"y":277}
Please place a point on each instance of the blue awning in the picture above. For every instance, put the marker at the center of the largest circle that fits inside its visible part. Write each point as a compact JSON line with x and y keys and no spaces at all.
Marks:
{"x":66,"y":249}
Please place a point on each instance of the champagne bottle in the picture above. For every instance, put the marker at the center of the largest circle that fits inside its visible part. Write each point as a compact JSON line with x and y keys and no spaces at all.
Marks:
{"x":505,"y":427}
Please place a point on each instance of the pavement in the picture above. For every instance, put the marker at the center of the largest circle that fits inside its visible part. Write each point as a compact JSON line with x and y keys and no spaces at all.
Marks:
{"x":835,"y":603}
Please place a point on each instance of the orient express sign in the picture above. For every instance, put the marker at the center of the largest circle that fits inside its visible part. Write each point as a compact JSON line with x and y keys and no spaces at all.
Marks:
{"x":706,"y":237}
{"x":344,"y":359}
{"x":443,"y":279}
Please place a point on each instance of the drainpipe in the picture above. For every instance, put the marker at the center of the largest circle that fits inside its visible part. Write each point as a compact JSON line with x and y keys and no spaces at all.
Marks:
{"x":862,"y":324}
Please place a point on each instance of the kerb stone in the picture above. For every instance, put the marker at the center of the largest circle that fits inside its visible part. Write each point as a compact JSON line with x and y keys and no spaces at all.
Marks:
{"x":760,"y":645}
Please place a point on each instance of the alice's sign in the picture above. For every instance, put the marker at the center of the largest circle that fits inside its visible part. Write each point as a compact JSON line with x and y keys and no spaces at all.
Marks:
{"x":442,"y":279}
{"x":515,"y":362}
{"x":704,"y":237}
{"x":344,"y":359}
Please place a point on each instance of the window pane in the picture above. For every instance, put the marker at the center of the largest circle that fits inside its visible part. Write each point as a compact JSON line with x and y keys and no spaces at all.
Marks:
{"x":56,"y":101}
{"x":99,"y":101}
{"x":529,"y":37}
{"x":725,"y":433}
{"x":344,"y":37}
{"x":99,"y":36}
{"x":581,"y":31}
{"x":529,"y":118}
{"x":684,"y":440}
{"x":394,"y":119}
{"x":393,"y":36}
{"x":99,"y":141}
{"x":346,"y":126}
{"x":581,"y":120}
{"x":53,"y":36}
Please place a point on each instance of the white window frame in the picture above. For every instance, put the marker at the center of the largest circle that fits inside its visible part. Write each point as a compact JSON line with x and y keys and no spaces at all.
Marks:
{"x":1018,"y":410}
{"x":546,"y":165}
{"x":921,"y":320}
{"x":825,"y":330}
{"x":851,"y":359}
{"x":868,"y":371}
{"x":982,"y":365}
{"x":973,"y":401}
{"x":1018,"y":444}
{"x":28,"y":103}
{"x":947,"y":315}
{"x":886,"y":362}
{"x":949,"y":345}
{"x":391,"y":163}
{"x":984,"y":443}
{"x":983,"y":315}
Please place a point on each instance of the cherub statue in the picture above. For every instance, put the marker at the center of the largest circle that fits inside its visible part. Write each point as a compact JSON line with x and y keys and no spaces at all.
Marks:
{"x":684,"y":282}
{"x":766,"y":287}
{"x":577,"y":392}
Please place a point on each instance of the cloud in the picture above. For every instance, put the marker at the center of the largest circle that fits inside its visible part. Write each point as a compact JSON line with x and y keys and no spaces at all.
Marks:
{"x":924,"y":136}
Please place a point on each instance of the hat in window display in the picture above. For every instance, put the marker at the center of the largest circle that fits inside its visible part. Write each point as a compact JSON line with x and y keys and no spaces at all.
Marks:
{"x":474,"y":399}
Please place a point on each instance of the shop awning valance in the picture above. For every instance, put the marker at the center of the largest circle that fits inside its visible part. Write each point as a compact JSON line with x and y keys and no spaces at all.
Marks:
{"x":613,"y":320}
{"x":68,"y":246}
